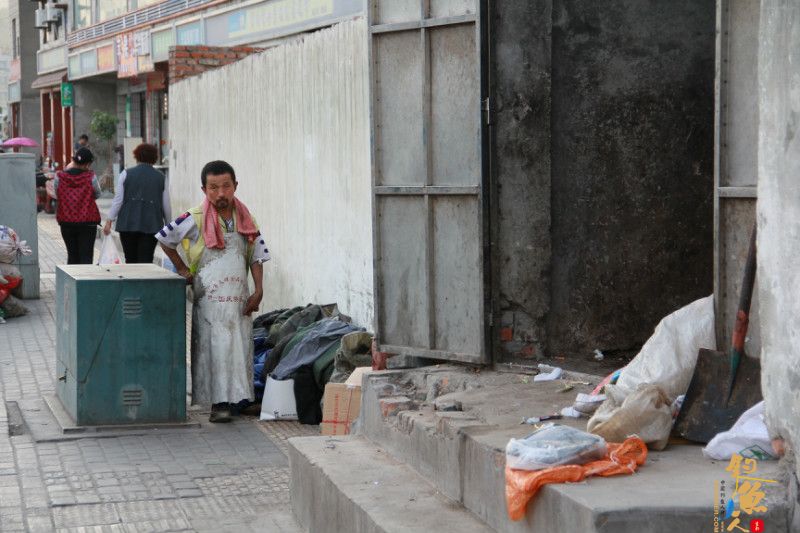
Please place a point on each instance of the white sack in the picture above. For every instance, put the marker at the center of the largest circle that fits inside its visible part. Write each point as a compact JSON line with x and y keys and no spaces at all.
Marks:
{"x":278,"y":402}
{"x":669,"y":356}
{"x":748,"y":437}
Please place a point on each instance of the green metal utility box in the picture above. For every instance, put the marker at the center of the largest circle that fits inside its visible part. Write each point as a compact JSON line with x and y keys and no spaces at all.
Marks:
{"x":121,"y":344}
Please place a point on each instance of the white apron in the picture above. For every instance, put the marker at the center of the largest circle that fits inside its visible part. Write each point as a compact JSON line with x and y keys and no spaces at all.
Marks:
{"x":222,"y":345}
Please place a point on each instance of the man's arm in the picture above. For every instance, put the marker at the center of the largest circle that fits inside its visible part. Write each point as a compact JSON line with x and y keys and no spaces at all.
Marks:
{"x":257,"y":271}
{"x":180,"y":266}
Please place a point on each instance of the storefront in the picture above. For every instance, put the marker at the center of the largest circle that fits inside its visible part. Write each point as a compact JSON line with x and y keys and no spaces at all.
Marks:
{"x":56,"y":99}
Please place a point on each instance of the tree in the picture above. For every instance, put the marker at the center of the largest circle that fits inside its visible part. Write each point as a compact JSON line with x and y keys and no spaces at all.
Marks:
{"x":104,"y":127}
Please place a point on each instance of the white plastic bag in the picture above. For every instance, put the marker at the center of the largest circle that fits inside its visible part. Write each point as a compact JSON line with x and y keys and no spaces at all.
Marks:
{"x":748,"y":437}
{"x":554,"y":445}
{"x":109,"y":254}
{"x":278,"y":402}
{"x":11,"y":246}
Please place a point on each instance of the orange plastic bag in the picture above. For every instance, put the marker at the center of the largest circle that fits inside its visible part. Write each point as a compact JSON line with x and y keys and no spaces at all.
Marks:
{"x":522,"y":485}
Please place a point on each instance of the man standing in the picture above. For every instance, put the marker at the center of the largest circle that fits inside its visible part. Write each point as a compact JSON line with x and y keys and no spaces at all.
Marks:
{"x":83,"y":142}
{"x":221,"y":241}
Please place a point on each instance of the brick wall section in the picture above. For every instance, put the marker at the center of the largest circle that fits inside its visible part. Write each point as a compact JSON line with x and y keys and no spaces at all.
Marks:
{"x":186,"y":61}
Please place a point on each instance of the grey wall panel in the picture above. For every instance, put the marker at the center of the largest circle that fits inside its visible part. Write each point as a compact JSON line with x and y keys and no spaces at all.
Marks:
{"x":739,"y":158}
{"x":388,"y":11}
{"x":457,"y":283}
{"x":403,"y":318}
{"x":452,"y":8}
{"x":736,"y":219}
{"x":455,"y":106}
{"x":398,"y":107}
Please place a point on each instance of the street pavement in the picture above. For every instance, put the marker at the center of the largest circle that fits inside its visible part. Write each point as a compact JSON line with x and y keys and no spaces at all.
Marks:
{"x":228,"y":477}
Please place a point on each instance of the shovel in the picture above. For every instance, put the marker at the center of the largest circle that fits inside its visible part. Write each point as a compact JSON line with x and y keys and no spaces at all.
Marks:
{"x":723,"y":385}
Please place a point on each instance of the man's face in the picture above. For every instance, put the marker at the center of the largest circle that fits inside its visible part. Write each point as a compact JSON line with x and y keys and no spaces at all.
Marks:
{"x":219,"y":190}
{"x":83,"y":142}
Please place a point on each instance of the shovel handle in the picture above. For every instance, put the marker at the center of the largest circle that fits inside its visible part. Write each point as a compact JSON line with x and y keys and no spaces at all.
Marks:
{"x":745,"y":298}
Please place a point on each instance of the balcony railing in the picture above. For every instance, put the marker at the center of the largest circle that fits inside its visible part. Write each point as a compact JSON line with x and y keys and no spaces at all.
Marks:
{"x":135,"y":18}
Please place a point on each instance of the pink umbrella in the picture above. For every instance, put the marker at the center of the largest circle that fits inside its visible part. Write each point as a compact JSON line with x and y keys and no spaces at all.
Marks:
{"x":20,"y":141}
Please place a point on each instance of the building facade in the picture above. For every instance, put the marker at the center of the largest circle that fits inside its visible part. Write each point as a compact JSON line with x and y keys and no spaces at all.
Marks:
{"x":112,"y":56}
{"x":24,"y":119}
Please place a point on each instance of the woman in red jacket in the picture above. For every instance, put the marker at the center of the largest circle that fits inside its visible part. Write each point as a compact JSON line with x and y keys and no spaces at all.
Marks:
{"x":76,"y":189}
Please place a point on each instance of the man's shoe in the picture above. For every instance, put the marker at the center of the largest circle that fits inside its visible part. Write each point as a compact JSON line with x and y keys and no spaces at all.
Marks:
{"x":221,"y":416}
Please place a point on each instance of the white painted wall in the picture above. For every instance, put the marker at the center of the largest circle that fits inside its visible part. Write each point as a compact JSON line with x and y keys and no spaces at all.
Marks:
{"x":294,"y":123}
{"x":778,"y":275}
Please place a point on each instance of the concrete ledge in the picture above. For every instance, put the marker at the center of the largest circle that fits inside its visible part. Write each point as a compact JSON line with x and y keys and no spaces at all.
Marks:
{"x":348,"y":484}
{"x":462,"y":454}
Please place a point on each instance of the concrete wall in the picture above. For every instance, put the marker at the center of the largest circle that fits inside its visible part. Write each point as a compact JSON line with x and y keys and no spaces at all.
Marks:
{"x":90,"y":96}
{"x":778,"y":275}
{"x":293,"y":121}
{"x":520,"y":66}
{"x":603,"y":146}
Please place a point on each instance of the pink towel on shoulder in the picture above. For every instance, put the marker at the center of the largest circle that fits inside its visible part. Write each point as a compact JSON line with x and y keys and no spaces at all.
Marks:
{"x":212,"y":232}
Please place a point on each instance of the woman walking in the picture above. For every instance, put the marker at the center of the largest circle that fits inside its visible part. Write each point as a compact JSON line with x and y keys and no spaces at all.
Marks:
{"x":76,"y":189}
{"x":141,"y":206}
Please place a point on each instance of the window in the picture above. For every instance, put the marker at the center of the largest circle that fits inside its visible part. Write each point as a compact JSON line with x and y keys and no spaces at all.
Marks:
{"x":108,"y":9}
{"x":139,"y":4}
{"x":82,"y":13}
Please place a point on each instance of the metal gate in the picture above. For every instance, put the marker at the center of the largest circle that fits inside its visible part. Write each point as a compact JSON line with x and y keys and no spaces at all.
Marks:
{"x":736,"y":165}
{"x":429,"y":178}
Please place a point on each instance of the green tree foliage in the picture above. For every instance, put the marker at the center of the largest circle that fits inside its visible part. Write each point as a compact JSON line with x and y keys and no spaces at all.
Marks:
{"x":104,"y":127}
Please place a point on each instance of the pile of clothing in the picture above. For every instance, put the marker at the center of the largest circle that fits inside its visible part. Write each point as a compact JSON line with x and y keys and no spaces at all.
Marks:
{"x":11,"y":247}
{"x":306,"y":344}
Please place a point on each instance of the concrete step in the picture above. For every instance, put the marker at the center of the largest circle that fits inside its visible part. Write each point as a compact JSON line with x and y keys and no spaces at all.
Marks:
{"x":348,"y":484}
{"x":462,"y":454}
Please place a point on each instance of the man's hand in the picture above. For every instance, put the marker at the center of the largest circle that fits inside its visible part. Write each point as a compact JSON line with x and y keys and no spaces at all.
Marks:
{"x":185,"y":273}
{"x":180,"y":266}
{"x":107,"y":228}
{"x":253,"y":302}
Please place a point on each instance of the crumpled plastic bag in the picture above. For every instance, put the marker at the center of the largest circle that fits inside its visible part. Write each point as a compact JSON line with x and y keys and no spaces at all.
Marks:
{"x":109,"y":253}
{"x":10,"y":245}
{"x":554,"y":445}
{"x":747,"y":437}
{"x":522,"y":485}
{"x":13,"y":307}
{"x":647,"y":413}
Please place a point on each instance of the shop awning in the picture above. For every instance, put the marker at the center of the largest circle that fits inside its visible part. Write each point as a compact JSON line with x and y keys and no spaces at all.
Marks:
{"x":49,"y":80}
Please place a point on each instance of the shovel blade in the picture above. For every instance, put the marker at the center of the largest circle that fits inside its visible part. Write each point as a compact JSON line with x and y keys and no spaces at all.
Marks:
{"x":706,"y":410}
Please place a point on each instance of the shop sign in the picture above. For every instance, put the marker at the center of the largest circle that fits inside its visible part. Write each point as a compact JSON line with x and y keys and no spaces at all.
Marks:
{"x":67,"y":94}
{"x":105,"y":58}
{"x":130,"y":47}
{"x":268,"y":20}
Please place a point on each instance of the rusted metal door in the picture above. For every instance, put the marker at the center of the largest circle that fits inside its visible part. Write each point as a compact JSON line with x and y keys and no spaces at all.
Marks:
{"x":736,"y":165}
{"x":429,"y":175}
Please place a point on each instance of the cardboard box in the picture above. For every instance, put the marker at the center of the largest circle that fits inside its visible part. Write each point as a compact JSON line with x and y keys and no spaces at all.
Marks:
{"x":340,"y":406}
{"x":357,"y":375}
